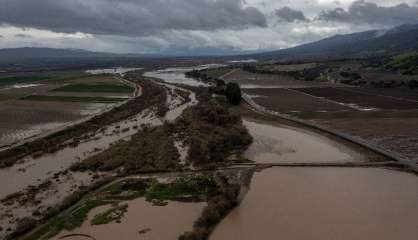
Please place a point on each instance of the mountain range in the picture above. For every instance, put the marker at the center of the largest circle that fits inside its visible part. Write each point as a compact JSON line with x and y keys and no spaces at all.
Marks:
{"x":356,"y":45}
{"x":371,"y":43}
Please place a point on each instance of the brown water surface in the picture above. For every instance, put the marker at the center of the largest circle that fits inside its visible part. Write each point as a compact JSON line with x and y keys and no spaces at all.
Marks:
{"x":155,"y":222}
{"x":326,"y":203}
{"x":283,"y":144}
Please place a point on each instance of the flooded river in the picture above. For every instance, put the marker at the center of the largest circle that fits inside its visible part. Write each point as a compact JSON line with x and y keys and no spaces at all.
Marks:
{"x":283,"y":144}
{"x":143,"y":221}
{"x":177,"y":75}
{"x":325,"y":203}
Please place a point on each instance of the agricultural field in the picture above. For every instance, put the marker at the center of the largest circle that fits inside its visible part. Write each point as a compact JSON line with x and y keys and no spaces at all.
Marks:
{"x":253,"y":80}
{"x":385,"y":116}
{"x":35,"y":103}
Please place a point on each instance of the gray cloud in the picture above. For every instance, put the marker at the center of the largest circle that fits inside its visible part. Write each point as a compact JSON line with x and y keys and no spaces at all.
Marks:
{"x":22,"y":35}
{"x":287,"y":14}
{"x":129,"y":17}
{"x":366,"y":12}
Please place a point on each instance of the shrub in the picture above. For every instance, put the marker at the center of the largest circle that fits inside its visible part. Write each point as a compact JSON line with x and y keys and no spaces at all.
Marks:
{"x":233,"y":93}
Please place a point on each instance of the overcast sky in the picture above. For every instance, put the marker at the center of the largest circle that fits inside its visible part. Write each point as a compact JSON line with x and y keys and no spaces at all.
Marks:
{"x":191,"y":26}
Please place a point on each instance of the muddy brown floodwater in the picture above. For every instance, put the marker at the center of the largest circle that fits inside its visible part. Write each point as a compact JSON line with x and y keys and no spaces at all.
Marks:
{"x":143,"y":221}
{"x":283,"y":144}
{"x":326,"y":203}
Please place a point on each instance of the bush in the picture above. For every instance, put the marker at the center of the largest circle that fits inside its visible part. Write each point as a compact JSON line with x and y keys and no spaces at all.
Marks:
{"x":233,"y":93}
{"x":413,"y":84}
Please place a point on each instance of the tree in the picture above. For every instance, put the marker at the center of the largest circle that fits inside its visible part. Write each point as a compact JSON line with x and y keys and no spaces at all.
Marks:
{"x":233,"y":93}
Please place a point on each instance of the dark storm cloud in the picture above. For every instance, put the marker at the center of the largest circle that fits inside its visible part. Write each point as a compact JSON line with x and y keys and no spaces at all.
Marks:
{"x":287,"y":14}
{"x":366,"y":12}
{"x":129,"y":17}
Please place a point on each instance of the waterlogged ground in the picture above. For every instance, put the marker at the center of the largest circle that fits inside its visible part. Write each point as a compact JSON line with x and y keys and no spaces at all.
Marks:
{"x":142,"y":220}
{"x":283,"y":144}
{"x":33,"y":172}
{"x":325,"y":203}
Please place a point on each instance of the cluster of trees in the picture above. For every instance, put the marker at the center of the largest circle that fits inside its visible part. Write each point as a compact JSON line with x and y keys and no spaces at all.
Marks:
{"x":219,"y":205}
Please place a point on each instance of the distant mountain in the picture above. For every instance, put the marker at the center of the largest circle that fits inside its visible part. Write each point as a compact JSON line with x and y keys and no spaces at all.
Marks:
{"x":363,"y":44}
{"x":32,"y":53}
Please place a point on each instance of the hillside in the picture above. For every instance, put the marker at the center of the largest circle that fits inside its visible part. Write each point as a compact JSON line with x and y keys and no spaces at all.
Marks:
{"x":406,"y":63}
{"x":363,"y":44}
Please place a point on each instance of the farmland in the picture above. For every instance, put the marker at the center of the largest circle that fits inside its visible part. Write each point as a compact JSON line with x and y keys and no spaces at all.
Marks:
{"x":365,"y":111}
{"x":93,"y":88}
{"x":32,"y":104}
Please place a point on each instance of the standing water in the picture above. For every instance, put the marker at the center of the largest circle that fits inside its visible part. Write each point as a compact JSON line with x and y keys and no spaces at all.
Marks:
{"x":325,"y":203}
{"x":282,"y":144}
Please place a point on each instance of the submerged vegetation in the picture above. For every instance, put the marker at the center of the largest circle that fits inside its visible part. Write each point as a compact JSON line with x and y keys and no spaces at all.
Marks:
{"x":198,"y":187}
{"x":213,"y":133}
{"x":151,"y":149}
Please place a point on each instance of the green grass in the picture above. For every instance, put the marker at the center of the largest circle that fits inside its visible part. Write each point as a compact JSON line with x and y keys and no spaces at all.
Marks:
{"x":10,"y":80}
{"x":73,"y":99}
{"x":110,"y":88}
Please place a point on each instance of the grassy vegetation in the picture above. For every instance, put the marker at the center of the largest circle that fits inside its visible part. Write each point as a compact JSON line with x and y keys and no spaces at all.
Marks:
{"x":111,"y":88}
{"x":198,"y":187}
{"x":56,"y":77}
{"x":406,"y":63}
{"x":10,"y":80}
{"x":73,"y":99}
{"x":154,"y":96}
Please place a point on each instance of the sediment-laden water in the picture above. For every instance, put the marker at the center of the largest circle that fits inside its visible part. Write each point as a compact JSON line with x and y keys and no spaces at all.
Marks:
{"x":283,"y":144}
{"x":325,"y":203}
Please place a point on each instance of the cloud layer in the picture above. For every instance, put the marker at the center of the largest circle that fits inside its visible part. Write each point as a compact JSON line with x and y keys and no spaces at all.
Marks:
{"x":366,"y":12}
{"x":191,"y":26}
{"x":129,"y":17}
{"x":287,"y":14}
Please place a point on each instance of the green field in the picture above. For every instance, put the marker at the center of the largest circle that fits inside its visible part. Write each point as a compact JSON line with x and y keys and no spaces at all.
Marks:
{"x":73,"y":99}
{"x":110,"y":88}
{"x":10,"y":80}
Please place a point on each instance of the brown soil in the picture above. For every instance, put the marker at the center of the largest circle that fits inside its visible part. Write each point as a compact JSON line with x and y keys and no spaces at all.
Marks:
{"x":245,"y":78}
{"x":361,"y":99}
{"x":397,"y":134}
{"x":284,"y":100}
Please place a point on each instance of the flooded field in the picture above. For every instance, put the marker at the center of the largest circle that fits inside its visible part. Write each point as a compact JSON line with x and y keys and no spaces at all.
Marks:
{"x":177,"y":75}
{"x":119,"y":70}
{"x":325,"y":203}
{"x":32,"y":171}
{"x":20,"y":119}
{"x":283,"y":144}
{"x":142,"y":220}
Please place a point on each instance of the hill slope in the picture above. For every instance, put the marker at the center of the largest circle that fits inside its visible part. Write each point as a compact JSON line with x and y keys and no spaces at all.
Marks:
{"x":363,"y":44}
